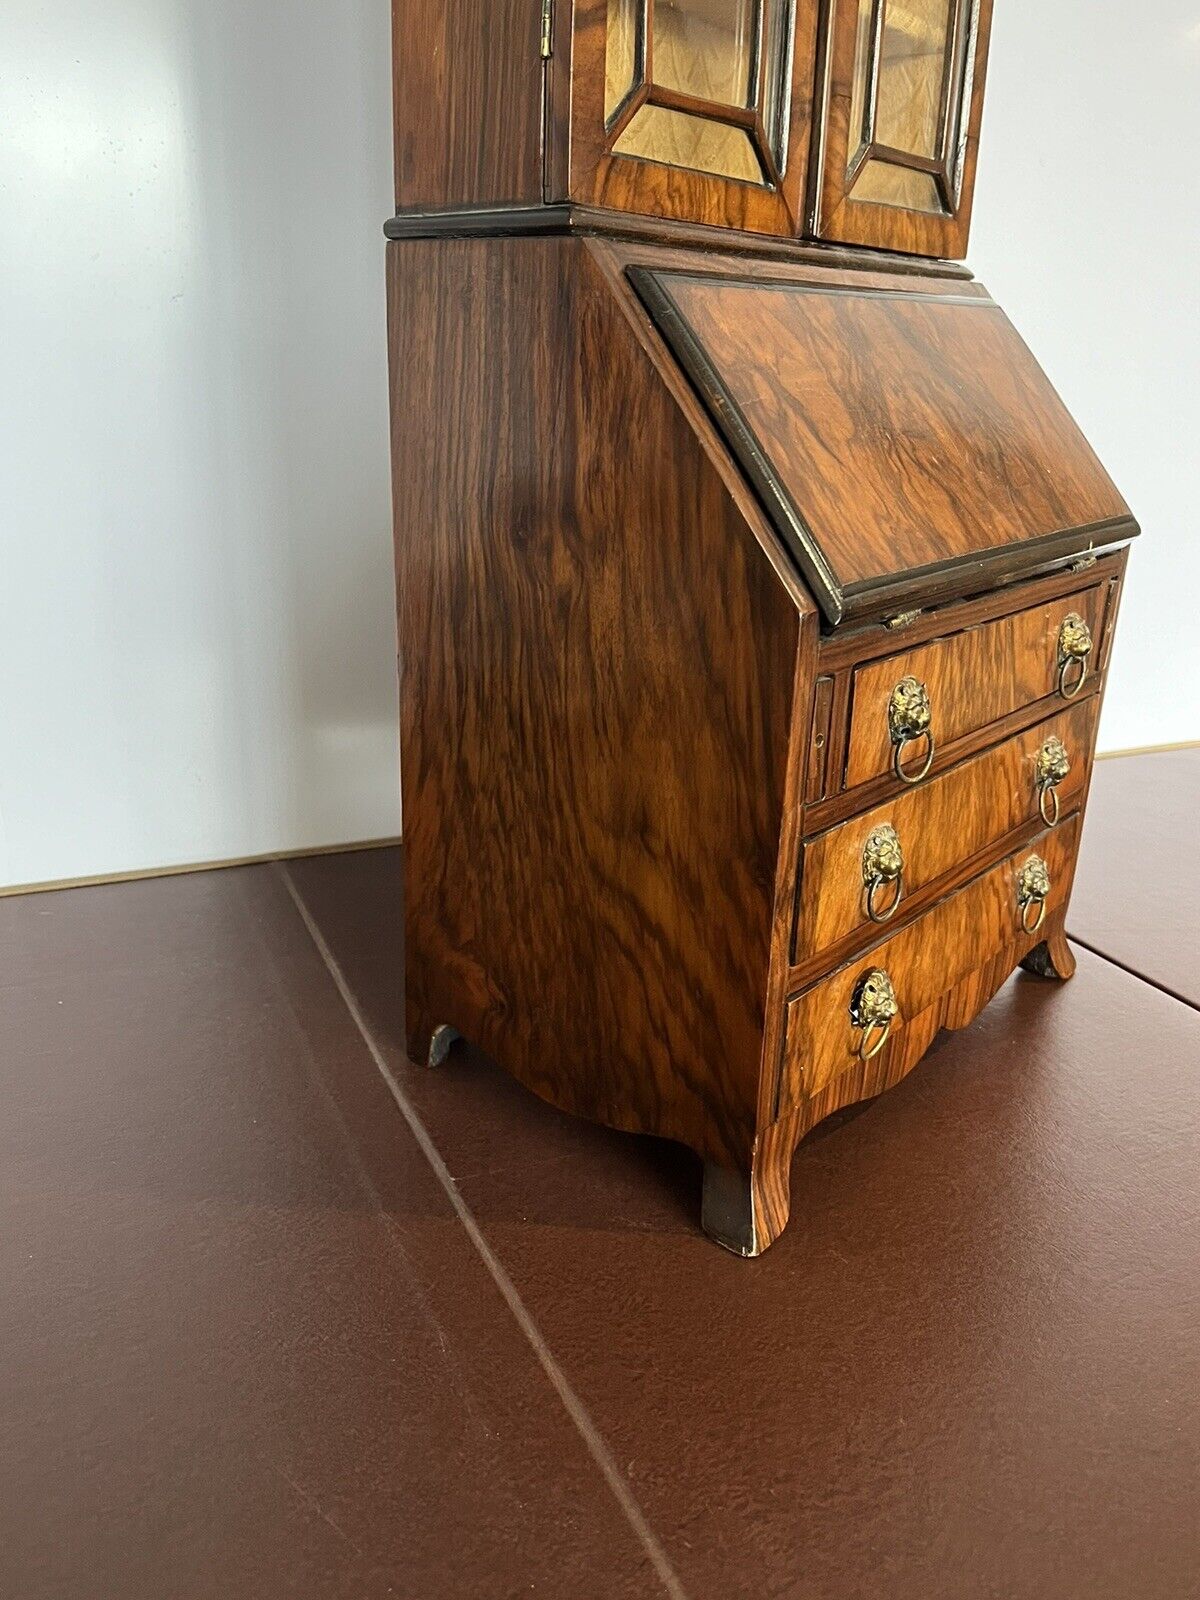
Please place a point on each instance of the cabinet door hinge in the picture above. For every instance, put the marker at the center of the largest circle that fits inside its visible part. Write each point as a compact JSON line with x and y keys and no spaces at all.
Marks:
{"x":547,"y":29}
{"x":903,"y":619}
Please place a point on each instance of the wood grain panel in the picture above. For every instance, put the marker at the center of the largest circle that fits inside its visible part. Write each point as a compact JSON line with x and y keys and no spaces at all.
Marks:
{"x":893,"y":436}
{"x":467,"y":82}
{"x":942,"y":825}
{"x":851,"y":802}
{"x":973,"y":678}
{"x":924,"y":960}
{"x":597,"y":663}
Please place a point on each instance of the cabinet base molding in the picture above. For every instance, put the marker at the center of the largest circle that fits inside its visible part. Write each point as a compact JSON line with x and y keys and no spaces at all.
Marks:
{"x":746,"y":1208}
{"x":747,"y":1211}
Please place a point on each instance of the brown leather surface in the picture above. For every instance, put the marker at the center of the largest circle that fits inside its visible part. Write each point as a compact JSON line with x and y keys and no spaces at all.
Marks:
{"x":248,"y":1347}
{"x":970,"y":1366}
{"x":1137,"y":887}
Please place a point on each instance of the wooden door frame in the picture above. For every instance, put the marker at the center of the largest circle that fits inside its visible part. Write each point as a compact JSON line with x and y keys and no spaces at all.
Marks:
{"x":581,"y":167}
{"x":834,"y":214}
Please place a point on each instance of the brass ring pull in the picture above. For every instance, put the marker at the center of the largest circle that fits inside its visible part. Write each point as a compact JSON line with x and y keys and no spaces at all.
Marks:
{"x":1033,"y":890}
{"x":873,"y":888}
{"x":1074,"y":648}
{"x":873,"y":1010}
{"x":912,"y":777}
{"x":1052,"y":767}
{"x":1064,"y":670}
{"x":873,"y":1040}
{"x":883,"y":864}
{"x":910,"y":717}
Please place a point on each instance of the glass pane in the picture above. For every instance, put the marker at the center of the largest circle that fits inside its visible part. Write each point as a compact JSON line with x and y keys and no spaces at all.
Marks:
{"x":623,"y":60}
{"x":912,"y":71}
{"x":710,"y":51}
{"x":679,"y":140}
{"x":898,"y":186}
{"x":706,"y":48}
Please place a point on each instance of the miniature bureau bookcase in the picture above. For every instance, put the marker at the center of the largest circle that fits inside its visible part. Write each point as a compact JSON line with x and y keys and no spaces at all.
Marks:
{"x":755,"y":589}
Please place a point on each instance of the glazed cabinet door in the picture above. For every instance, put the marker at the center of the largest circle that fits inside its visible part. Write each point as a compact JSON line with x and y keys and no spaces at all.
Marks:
{"x":694,"y":110}
{"x":900,"y":111}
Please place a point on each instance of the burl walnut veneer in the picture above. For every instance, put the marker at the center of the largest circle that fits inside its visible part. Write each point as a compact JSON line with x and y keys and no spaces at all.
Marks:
{"x":756,"y":591}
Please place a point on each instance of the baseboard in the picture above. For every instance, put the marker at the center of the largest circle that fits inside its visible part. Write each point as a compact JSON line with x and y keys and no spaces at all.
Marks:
{"x":1148,"y":749}
{"x":52,"y":884}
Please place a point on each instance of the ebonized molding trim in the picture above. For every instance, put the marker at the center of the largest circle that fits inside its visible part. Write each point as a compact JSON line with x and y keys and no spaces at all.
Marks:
{"x":501,"y":221}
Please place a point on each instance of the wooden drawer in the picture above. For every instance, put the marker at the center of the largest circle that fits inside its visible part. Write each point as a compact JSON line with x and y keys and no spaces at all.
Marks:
{"x":923,"y":961}
{"x":941,"y":827}
{"x":972,"y":678}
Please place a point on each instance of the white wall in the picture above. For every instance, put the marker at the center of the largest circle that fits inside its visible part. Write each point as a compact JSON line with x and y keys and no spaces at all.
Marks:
{"x":1087,"y":230}
{"x":196,"y":638}
{"x":197,"y":651}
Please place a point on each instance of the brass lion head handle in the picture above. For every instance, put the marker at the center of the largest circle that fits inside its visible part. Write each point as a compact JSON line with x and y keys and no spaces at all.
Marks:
{"x":1033,"y":890}
{"x":873,"y":1009}
{"x":1051,"y":768}
{"x":883,"y":864}
{"x":910,"y":717}
{"x":1074,"y":648}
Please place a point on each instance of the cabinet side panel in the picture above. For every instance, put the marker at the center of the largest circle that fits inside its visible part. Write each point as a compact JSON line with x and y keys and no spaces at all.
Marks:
{"x":467,"y":86}
{"x":596,"y":683}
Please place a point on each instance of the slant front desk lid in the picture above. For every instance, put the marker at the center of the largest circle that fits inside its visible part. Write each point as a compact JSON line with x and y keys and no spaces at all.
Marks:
{"x":904,"y":443}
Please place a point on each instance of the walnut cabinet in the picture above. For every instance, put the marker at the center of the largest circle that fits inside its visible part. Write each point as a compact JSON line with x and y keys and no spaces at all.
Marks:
{"x":756,"y":591}
{"x":854,"y":121}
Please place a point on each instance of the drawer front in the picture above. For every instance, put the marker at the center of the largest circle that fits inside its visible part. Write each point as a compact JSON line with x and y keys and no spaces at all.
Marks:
{"x":922,"y":961}
{"x":847,"y":882}
{"x":969,"y":679}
